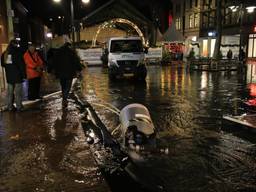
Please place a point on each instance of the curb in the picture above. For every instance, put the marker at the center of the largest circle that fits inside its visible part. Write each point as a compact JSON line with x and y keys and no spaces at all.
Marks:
{"x":45,"y":97}
{"x":27,"y":103}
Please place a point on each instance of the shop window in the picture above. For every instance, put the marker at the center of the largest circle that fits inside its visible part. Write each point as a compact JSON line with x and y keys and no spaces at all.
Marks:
{"x":205,"y":48}
{"x":213,"y":41}
{"x":196,"y":20}
{"x":252,"y":46}
{"x":191,"y":21}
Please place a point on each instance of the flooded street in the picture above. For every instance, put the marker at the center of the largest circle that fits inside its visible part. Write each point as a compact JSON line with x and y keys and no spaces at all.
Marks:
{"x":186,"y":108}
{"x":44,"y":149}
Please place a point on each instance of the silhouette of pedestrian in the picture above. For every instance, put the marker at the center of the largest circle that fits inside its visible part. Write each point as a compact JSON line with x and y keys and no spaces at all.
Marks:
{"x":34,"y":68}
{"x":14,"y":66}
{"x":241,"y":55}
{"x":230,"y":54}
{"x":65,"y":65}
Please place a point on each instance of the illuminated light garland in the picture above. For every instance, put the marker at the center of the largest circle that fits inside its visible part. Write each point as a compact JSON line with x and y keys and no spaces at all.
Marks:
{"x":118,"y":20}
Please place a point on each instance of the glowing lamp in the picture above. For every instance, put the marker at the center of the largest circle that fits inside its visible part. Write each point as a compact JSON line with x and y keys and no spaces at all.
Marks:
{"x":250,"y":9}
{"x":86,"y":1}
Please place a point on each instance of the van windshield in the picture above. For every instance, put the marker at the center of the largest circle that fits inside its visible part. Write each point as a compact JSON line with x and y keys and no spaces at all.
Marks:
{"x":126,"y":46}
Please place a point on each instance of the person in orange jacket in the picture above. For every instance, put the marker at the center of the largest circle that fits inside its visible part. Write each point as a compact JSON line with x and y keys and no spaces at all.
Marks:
{"x":34,"y":69}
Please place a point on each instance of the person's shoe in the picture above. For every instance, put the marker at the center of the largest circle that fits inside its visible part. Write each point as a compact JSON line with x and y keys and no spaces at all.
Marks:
{"x":20,"y":109}
{"x":12,"y":108}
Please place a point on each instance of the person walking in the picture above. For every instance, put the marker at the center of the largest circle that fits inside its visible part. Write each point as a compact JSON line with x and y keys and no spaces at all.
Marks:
{"x":13,"y":63}
{"x":34,"y":68}
{"x":241,"y":55}
{"x":191,"y":54}
{"x":65,"y":65}
{"x":230,"y":54}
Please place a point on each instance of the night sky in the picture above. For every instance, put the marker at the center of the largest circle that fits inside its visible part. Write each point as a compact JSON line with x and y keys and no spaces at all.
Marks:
{"x":46,"y":9}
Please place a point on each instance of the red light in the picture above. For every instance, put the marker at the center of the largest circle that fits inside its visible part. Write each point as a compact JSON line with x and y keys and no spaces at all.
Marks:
{"x":252,"y":87}
{"x":170,"y":20}
{"x":254,"y":29}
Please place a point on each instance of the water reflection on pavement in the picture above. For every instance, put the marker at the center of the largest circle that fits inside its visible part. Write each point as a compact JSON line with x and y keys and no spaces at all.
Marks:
{"x":186,"y":108}
{"x":43,"y":149}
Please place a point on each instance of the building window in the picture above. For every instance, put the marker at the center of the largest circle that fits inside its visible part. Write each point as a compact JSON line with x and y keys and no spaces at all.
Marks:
{"x":196,"y":3}
{"x":178,"y":24}
{"x":196,"y":20}
{"x":178,"y":9}
{"x":252,"y":46}
{"x":207,"y":4}
{"x":205,"y":22}
{"x":191,"y":3}
{"x":212,"y":22}
{"x":191,"y":21}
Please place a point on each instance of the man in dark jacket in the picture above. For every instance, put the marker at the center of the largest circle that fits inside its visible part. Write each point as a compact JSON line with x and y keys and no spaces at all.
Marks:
{"x":13,"y":63}
{"x":65,"y":65}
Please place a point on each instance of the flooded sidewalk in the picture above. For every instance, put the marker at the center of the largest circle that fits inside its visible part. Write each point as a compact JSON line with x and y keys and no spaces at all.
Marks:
{"x":44,"y":149}
{"x":49,"y":84}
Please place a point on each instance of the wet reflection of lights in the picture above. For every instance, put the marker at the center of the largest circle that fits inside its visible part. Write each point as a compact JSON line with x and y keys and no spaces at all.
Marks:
{"x":252,"y":87}
{"x":174,"y":80}
{"x":52,"y":133}
{"x":204,"y":81}
{"x":25,"y":89}
{"x":91,"y":134}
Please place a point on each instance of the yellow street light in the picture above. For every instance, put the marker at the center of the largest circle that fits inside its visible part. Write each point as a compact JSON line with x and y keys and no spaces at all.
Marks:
{"x":86,"y":1}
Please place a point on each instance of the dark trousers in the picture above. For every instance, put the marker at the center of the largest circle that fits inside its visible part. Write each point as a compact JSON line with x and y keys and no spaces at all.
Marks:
{"x":34,"y":88}
{"x":65,"y":87}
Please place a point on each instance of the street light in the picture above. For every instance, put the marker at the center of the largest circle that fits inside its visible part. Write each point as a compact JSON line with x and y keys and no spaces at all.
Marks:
{"x":49,"y":35}
{"x":72,"y":15}
{"x":86,"y":1}
{"x":250,"y":9}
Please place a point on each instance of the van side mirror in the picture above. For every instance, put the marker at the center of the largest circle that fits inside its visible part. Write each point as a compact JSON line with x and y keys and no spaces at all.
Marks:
{"x":146,"y":50}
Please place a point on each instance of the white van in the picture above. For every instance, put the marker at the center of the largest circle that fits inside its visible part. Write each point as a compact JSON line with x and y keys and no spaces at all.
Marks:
{"x":126,"y":55}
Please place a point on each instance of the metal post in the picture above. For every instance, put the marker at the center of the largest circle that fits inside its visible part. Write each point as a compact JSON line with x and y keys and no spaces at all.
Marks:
{"x":72,"y":20}
{"x":241,"y":26}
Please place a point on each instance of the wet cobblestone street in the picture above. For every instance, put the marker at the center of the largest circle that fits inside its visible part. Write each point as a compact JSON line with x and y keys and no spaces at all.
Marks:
{"x":43,"y":149}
